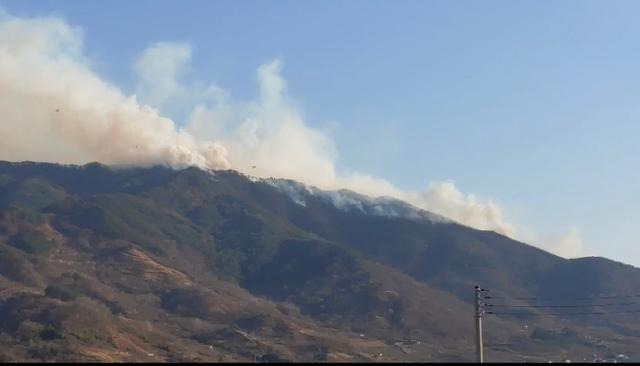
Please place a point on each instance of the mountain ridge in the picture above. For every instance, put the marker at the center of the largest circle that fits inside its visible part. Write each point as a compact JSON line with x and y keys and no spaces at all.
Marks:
{"x":233,"y":264}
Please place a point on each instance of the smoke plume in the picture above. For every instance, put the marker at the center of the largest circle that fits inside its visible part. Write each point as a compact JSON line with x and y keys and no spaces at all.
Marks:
{"x":55,"y":108}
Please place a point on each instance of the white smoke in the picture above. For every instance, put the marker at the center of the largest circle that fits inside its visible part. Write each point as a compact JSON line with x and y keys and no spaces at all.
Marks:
{"x":270,"y":138}
{"x":55,"y":108}
{"x":158,"y":69}
{"x":567,"y":244}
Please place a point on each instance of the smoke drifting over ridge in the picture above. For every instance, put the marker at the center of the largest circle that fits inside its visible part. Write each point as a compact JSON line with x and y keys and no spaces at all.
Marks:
{"x":55,"y":108}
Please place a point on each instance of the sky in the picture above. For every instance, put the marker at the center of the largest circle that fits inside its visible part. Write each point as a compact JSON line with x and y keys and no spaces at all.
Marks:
{"x":532,"y":105}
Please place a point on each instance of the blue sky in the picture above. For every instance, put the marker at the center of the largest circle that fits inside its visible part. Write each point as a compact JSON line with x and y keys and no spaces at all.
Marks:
{"x":531,"y":103}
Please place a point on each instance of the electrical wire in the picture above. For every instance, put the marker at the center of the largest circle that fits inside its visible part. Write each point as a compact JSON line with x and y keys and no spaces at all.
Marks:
{"x":561,"y":306}
{"x":562,"y":299}
{"x":564,"y":314}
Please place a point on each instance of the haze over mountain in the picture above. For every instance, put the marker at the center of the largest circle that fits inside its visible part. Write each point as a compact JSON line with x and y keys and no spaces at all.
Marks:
{"x":117,"y":264}
{"x":56,"y":108}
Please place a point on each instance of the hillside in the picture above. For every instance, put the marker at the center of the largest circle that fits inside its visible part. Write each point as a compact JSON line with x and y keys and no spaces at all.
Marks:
{"x":154,"y":264}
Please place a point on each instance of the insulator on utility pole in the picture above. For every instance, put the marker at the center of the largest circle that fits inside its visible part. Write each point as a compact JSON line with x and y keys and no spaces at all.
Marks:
{"x":477,"y":291}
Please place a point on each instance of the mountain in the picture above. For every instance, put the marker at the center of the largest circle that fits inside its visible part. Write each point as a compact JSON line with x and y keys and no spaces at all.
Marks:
{"x":103,"y":263}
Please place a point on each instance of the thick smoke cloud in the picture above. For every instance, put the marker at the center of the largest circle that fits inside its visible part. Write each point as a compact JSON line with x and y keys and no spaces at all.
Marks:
{"x":55,"y":108}
{"x":270,"y":134}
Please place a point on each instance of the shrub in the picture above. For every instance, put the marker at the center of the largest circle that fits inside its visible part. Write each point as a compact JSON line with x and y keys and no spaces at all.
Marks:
{"x":61,"y":292}
{"x":33,"y":242}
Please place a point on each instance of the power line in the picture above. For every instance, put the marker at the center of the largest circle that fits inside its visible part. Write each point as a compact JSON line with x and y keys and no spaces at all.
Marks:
{"x":561,"y":306}
{"x":564,"y":314}
{"x":561,"y":299}
{"x":480,"y":307}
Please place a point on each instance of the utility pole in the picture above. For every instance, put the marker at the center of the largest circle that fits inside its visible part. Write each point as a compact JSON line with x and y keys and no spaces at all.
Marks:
{"x":477,"y":291}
